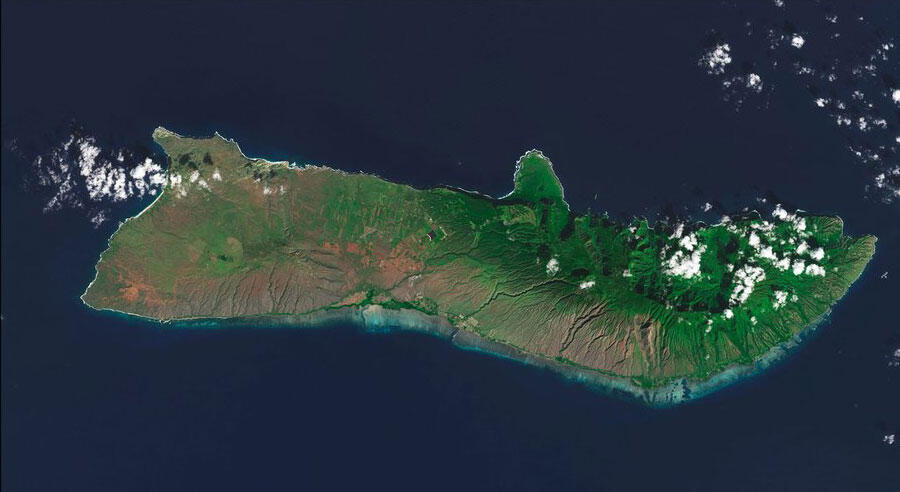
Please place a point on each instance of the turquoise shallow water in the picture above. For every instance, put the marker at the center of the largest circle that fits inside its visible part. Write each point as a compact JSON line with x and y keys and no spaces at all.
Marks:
{"x":429,"y":94}
{"x":110,"y":402}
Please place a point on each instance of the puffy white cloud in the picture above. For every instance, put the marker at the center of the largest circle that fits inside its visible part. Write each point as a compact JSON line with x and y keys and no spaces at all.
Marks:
{"x":688,"y":242}
{"x":98,"y":218}
{"x":684,"y":265}
{"x":754,"y":82}
{"x":144,"y":169}
{"x":745,"y":279}
{"x":767,"y":253}
{"x":552,"y":267}
{"x":80,"y":173}
{"x":176,"y":184}
{"x":716,"y":59}
{"x":783,"y":264}
{"x":764,"y":226}
{"x":815,"y":270}
{"x":817,"y":254}
{"x":753,"y":240}
{"x":780,"y":299}
{"x":781,"y":214}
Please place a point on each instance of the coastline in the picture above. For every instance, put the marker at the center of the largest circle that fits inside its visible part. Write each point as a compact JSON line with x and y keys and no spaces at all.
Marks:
{"x":377,"y":319}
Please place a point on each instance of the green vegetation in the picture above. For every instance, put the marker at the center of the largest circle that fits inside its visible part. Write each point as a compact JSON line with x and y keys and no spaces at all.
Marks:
{"x":232,"y":236}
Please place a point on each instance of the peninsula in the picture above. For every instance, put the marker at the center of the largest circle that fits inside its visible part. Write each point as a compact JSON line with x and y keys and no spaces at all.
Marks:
{"x":656,"y":311}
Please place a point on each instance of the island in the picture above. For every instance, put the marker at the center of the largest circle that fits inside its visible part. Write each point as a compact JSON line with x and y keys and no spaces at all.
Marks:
{"x":665,"y":313}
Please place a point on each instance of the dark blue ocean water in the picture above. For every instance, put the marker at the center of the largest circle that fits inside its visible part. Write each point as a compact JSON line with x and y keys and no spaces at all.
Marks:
{"x":424,"y":93}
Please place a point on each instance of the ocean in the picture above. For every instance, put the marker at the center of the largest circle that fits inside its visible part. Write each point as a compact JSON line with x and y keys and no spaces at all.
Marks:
{"x":428,"y":93}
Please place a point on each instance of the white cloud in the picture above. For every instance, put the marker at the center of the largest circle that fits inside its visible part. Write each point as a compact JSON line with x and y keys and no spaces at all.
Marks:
{"x":98,"y":218}
{"x":815,"y":270}
{"x":780,"y":299}
{"x":716,"y":59}
{"x":552,"y":267}
{"x":79,"y":171}
{"x":817,"y":254}
{"x":745,"y":279}
{"x":683,"y":265}
{"x":688,"y":242}
{"x":783,"y":264}
{"x":767,"y":253}
{"x":797,"y":41}
{"x":754,"y":240}
{"x":781,"y":213}
{"x":176,"y":183}
{"x":765,"y":225}
{"x":754,"y":82}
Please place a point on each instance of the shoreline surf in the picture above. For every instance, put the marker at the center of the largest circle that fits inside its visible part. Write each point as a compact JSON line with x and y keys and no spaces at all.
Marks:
{"x":377,"y":319}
